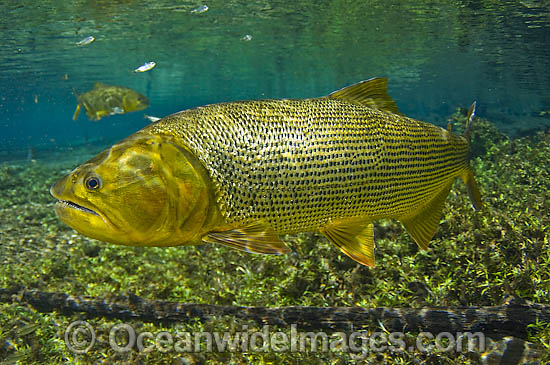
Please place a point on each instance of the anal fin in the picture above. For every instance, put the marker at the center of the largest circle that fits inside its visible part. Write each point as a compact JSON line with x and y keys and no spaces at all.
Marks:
{"x":422,"y":224}
{"x":256,"y":237}
{"x":355,"y":237}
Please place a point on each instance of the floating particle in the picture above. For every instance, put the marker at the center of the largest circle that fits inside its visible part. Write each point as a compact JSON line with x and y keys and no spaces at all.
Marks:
{"x":152,"y":118}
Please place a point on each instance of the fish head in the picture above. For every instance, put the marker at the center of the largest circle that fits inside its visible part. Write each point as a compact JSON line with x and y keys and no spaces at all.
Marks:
{"x":143,"y":191}
{"x":134,"y":101}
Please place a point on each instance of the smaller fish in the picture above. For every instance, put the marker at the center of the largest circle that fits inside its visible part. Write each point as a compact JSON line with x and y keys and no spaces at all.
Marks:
{"x":200,"y":9}
{"x":85,"y":41}
{"x":246,"y":38}
{"x":152,"y":118}
{"x":104,"y":100}
{"x":146,"y":67}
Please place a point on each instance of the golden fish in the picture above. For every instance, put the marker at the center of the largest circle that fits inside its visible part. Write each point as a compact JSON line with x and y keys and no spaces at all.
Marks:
{"x":104,"y":100}
{"x":243,"y":173}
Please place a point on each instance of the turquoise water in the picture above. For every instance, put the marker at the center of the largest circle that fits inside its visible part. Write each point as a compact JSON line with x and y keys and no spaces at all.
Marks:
{"x":438,"y":55}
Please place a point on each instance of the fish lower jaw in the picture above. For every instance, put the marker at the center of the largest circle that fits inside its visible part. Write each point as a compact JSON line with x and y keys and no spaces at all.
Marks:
{"x":73,"y":205}
{"x":85,"y":221}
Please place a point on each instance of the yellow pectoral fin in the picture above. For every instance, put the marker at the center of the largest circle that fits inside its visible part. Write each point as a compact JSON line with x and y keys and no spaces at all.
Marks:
{"x":354,"y":237}
{"x":422,"y":224}
{"x":76,"y":112}
{"x":256,"y":237}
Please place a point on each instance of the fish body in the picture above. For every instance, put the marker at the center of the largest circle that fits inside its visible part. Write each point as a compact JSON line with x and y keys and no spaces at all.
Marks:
{"x":243,"y":173}
{"x":104,"y":100}
{"x":146,"y":67}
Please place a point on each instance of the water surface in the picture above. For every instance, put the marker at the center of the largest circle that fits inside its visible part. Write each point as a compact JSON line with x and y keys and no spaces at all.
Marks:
{"x":438,"y":55}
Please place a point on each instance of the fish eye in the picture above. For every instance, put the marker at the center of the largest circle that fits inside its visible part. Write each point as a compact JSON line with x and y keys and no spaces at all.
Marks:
{"x":93,"y":183}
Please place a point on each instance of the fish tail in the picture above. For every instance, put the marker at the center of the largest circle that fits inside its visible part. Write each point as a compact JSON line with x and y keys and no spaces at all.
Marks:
{"x":469,"y":119}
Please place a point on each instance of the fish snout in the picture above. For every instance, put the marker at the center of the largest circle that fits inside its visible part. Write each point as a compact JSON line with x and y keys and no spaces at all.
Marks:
{"x":58,"y":188}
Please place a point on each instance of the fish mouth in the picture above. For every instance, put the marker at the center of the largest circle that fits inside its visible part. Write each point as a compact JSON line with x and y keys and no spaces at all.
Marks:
{"x":73,"y":205}
{"x":57,"y":192}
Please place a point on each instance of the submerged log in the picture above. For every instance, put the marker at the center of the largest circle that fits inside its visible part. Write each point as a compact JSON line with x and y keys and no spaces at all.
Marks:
{"x":510,"y":319}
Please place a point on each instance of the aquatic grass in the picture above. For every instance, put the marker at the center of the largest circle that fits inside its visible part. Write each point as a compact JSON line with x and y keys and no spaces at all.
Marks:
{"x":539,"y":334}
{"x":475,"y":259}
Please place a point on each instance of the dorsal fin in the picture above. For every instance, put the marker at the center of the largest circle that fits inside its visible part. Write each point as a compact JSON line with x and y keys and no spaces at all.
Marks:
{"x":372,"y":93}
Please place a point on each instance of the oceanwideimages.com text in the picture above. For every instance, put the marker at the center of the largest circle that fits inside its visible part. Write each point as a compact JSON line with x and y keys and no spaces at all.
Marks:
{"x":80,"y":337}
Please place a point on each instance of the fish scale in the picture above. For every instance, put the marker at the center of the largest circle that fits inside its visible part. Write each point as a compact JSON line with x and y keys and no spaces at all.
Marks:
{"x":297,"y":164}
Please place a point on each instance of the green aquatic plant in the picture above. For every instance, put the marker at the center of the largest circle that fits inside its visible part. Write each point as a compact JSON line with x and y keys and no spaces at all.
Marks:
{"x":539,"y":335}
{"x":476,"y":259}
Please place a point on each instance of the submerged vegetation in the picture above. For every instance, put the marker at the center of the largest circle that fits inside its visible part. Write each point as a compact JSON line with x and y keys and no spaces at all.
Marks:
{"x":476,"y":259}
